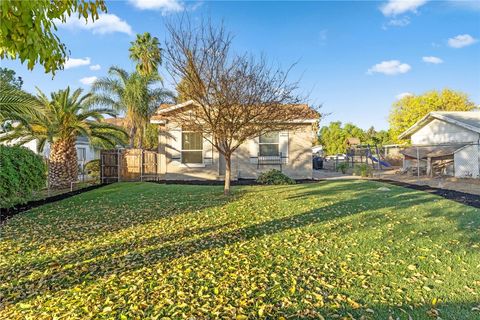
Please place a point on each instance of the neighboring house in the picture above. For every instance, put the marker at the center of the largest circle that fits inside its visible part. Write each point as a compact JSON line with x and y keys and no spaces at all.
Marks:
{"x":186,"y":155}
{"x":85,"y":152}
{"x":317,"y":150}
{"x":447,"y":143}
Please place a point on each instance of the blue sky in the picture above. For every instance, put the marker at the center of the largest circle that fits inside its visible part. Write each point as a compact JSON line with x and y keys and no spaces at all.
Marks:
{"x":355,"y":58}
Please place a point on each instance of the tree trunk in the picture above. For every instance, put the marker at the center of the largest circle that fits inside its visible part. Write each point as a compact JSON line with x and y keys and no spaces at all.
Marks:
{"x":133,"y":131}
{"x":63,"y":166}
{"x":228,"y":175}
{"x":140,"y":139}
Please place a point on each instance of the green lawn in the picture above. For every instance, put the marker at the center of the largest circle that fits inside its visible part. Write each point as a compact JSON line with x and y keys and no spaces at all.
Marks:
{"x":332,"y":249}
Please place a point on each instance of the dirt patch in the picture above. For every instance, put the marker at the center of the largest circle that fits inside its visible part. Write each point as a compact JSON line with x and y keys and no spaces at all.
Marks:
{"x":471,"y":186}
{"x":469,"y":199}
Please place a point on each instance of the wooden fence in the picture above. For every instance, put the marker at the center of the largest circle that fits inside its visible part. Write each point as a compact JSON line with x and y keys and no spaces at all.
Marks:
{"x":128,"y":165}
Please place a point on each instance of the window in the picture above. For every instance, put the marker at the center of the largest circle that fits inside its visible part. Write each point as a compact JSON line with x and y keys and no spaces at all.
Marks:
{"x":192,"y":147}
{"x":269,"y":144}
{"x":81,"y":154}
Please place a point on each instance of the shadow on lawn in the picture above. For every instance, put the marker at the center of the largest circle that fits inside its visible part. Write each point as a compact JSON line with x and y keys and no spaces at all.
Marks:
{"x":113,"y":260}
{"x":114,"y":208}
{"x":469,"y":310}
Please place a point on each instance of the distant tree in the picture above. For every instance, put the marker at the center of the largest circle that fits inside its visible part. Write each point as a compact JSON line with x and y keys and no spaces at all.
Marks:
{"x":185,"y":90}
{"x":332,"y":138}
{"x":27,"y":29}
{"x":237,"y":97}
{"x":146,"y":52}
{"x":374,"y":137}
{"x":8,"y":78}
{"x":352,"y":131}
{"x":408,"y":110}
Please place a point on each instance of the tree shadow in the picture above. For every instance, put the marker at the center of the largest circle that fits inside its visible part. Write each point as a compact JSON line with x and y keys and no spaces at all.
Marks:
{"x":117,"y":207}
{"x":130,"y":256}
{"x":468,"y":310}
{"x":145,"y":255}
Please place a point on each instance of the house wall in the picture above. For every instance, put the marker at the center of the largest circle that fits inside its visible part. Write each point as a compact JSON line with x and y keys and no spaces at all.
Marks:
{"x":440,"y":132}
{"x":171,"y":167}
{"x":298,"y":164}
{"x":467,"y":162}
{"x":90,"y":152}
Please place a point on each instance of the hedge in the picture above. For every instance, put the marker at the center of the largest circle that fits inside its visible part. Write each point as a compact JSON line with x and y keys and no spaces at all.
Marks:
{"x":21,"y":173}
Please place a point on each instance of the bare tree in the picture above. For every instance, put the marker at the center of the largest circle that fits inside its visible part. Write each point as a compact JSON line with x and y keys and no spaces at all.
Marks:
{"x":236,"y":97}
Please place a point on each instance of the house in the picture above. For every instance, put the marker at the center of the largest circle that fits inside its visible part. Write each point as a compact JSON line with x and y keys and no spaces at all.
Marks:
{"x":318,"y":150}
{"x":187,"y":155}
{"x":446,"y":143}
{"x":85,"y":152}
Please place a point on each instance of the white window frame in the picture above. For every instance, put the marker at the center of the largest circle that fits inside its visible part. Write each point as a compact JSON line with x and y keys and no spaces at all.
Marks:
{"x":188,"y":164}
{"x":269,"y":143}
{"x":83,"y":152}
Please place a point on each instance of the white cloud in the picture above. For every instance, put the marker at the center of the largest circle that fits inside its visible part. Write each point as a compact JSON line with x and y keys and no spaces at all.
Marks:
{"x":434,"y":60}
{"x":403,"y":95}
{"x":73,"y":63}
{"x":399,"y":22}
{"x":462,"y":40}
{"x":106,"y":23}
{"x":390,"y":68}
{"x":95,"y":67}
{"x":88,"y":81}
{"x":166,"y":6}
{"x":396,"y":7}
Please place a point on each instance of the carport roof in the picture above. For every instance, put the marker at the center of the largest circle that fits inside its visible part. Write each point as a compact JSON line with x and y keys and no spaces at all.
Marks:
{"x":432,"y":151}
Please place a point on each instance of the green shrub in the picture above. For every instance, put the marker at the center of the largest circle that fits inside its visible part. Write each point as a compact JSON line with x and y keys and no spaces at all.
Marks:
{"x":21,"y":173}
{"x":92,"y":168}
{"x":363,"y":170}
{"x":274,"y":176}
{"x":343,"y":167}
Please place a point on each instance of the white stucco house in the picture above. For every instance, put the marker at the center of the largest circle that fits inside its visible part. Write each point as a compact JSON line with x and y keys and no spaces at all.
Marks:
{"x":188,"y":155}
{"x":85,"y":152}
{"x":447,"y":143}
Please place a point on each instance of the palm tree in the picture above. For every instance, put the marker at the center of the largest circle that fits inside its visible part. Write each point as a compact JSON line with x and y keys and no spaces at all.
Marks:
{"x":63,"y":118}
{"x":133,"y":94}
{"x":16,"y":105}
{"x":146,"y":52}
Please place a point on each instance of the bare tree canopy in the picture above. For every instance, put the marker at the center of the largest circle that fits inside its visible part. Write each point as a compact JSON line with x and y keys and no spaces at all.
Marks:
{"x":235,"y":97}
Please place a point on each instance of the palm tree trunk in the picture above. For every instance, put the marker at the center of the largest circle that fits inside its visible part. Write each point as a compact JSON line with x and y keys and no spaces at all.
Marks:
{"x":140,"y":139}
{"x":133,"y":131}
{"x":63,"y":166}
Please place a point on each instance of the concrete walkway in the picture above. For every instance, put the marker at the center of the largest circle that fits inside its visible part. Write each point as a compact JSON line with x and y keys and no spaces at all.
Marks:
{"x":331,"y":175}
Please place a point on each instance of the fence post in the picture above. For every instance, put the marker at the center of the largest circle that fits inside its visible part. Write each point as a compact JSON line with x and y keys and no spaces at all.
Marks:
{"x":418,"y":164}
{"x":101,"y":167}
{"x":141,"y":165}
{"x":118,"y":165}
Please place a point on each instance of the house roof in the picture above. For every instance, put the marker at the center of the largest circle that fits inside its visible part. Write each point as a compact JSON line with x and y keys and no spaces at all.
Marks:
{"x":469,"y":120}
{"x":166,"y":109}
{"x":120,"y":122}
{"x":352,"y":141}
